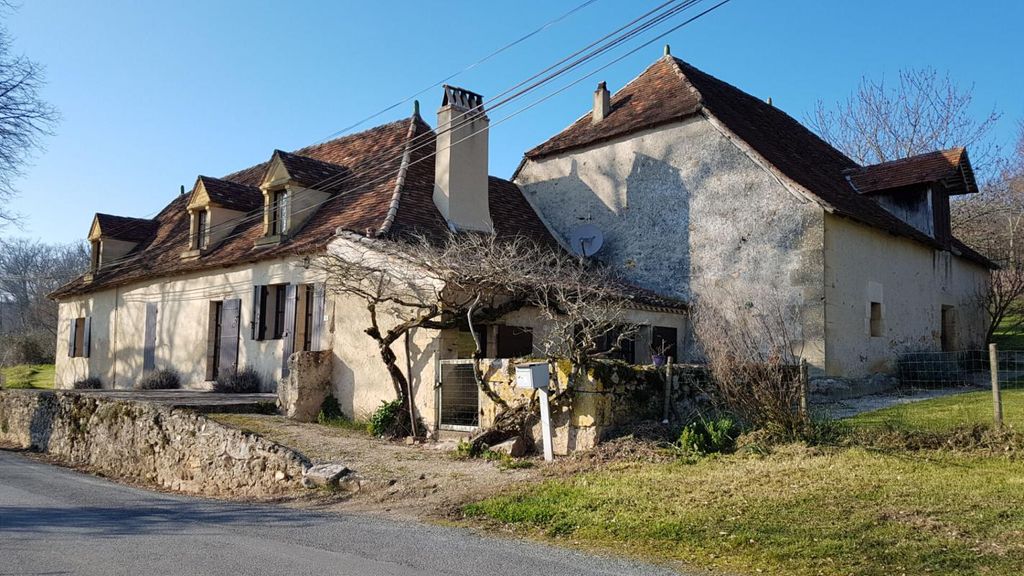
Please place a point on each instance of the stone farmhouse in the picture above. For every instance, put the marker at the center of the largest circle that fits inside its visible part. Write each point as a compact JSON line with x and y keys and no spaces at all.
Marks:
{"x":699,"y":189}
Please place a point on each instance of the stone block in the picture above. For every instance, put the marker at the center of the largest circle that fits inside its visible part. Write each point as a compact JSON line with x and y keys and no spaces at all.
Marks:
{"x":307,"y":385}
{"x":516,"y":447}
{"x":324,"y":474}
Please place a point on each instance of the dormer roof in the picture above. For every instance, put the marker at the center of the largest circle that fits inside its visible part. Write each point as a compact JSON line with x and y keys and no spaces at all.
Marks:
{"x":308,"y":172}
{"x":226,"y":194}
{"x":121,"y":228}
{"x":950,"y":168}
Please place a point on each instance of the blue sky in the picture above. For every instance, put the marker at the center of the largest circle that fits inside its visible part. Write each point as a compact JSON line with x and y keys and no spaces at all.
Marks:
{"x":153,"y":94}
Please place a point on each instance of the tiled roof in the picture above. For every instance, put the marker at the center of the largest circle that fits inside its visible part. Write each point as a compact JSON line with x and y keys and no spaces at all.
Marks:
{"x":671,"y":90}
{"x":360,"y":203}
{"x":313,"y":173}
{"x":232,"y":195}
{"x":950,"y":167}
{"x":125,"y":228}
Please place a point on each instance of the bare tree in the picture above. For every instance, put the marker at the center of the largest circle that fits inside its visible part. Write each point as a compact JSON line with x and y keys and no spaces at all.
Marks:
{"x":993,"y":223}
{"x":465,"y":280}
{"x":24,"y":116}
{"x":923,"y":111}
{"x":752,"y":351}
{"x":29,"y":272}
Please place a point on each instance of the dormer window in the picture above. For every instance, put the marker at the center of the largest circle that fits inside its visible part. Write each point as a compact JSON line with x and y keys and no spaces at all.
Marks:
{"x":214,"y":207}
{"x":200,"y":239}
{"x":278,"y":222}
{"x":94,"y":257}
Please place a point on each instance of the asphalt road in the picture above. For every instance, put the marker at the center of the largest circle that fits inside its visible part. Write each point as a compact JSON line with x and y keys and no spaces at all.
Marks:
{"x":57,"y":521}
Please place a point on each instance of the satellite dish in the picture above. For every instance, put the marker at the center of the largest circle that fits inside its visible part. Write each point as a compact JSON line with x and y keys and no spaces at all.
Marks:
{"x":586,"y":240}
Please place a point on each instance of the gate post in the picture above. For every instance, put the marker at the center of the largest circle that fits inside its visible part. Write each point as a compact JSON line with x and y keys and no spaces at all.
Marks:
{"x":997,"y":398}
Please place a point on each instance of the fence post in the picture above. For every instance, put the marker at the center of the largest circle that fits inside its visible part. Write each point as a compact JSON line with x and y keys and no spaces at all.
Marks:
{"x":668,"y":388}
{"x":997,"y":398}
{"x":803,"y":388}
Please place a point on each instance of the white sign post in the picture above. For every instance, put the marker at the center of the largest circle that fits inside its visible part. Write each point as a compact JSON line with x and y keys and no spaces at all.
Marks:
{"x":535,"y":376}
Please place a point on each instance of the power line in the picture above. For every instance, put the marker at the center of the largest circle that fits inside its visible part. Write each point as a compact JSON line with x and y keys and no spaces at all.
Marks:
{"x":506,"y":118}
{"x":399,"y":149}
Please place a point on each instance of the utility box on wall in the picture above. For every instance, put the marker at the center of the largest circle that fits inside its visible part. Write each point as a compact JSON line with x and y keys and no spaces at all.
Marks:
{"x":534,"y":375}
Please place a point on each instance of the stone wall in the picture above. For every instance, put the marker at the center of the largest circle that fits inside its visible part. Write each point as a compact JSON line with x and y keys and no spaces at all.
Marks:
{"x":139,"y":442}
{"x":308,"y":383}
{"x":614,"y":395}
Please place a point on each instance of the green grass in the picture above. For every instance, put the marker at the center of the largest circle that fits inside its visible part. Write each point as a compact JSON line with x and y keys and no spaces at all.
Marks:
{"x":797,"y":511}
{"x":28,"y":376}
{"x":1009,"y":338}
{"x":947,"y":413}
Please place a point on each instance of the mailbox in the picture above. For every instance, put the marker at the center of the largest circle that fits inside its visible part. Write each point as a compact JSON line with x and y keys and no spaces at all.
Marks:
{"x":532,"y":375}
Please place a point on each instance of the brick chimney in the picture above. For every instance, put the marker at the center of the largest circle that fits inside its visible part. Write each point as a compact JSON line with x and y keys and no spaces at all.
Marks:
{"x":460,"y":166}
{"x":602,"y":103}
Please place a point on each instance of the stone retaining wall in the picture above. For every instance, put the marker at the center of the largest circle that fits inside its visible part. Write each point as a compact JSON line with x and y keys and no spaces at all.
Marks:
{"x":145,"y":443}
{"x":614,"y":395}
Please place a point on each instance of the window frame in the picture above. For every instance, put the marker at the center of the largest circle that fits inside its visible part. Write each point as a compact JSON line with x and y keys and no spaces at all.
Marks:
{"x":202,"y":224}
{"x":277,"y":224}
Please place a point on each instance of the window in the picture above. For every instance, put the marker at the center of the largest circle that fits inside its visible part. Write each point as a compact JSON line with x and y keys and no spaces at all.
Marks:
{"x":876,"y":325}
{"x":513,"y":342}
{"x":278,"y":212}
{"x":95,"y":255}
{"x":79,"y":336}
{"x":626,"y":346}
{"x":202,"y":224}
{"x":663,"y":342}
{"x":948,"y":329}
{"x":269,"y":312}
{"x":309,"y":299}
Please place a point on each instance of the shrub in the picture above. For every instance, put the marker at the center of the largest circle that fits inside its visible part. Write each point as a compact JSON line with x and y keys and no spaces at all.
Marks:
{"x":244,"y":381}
{"x":387,"y":420}
{"x":163,"y":379}
{"x":331,"y":415}
{"x":91,"y":383}
{"x":708,"y":436}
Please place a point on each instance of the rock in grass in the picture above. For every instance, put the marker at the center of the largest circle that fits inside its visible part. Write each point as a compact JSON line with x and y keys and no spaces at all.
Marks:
{"x":516,"y":447}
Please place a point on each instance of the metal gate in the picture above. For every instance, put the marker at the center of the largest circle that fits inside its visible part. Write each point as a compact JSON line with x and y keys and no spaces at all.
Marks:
{"x":458,"y":399}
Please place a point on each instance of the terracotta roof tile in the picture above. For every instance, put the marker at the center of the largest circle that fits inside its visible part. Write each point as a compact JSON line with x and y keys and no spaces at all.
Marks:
{"x":671,"y":90}
{"x":126,"y":228}
{"x":313,"y":173}
{"x":951,"y":167}
{"x":369,"y":163}
{"x":232,"y":195}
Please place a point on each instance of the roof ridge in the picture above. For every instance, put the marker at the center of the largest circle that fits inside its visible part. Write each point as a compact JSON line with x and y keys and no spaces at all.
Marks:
{"x":396,"y":196}
{"x":959,"y":150}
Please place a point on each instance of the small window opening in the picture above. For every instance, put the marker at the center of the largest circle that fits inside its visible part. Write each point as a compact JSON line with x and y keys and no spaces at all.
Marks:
{"x":278,"y":212}
{"x":202,"y":223}
{"x":876,"y":319}
{"x":95,"y":256}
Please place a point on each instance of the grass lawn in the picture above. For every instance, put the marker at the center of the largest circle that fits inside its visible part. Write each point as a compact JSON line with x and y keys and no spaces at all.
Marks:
{"x":796,"y":511}
{"x":1008,"y":338}
{"x":946,"y":413}
{"x":28,"y":376}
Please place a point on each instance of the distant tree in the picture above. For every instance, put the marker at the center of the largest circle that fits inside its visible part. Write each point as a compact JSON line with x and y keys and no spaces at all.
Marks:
{"x":29,"y":272}
{"x":24,"y":116}
{"x":921,"y":112}
{"x":993,"y":223}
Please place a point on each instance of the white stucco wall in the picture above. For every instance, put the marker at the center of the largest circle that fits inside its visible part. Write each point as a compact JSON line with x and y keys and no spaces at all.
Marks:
{"x":687,"y":213}
{"x":183,"y":304}
{"x":912,"y":282}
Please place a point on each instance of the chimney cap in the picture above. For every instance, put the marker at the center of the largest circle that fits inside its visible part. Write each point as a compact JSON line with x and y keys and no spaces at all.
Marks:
{"x":602,"y":86}
{"x":462,"y":98}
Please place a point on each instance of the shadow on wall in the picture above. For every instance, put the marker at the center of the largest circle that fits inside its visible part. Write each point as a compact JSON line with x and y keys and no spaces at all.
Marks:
{"x":645,"y":219}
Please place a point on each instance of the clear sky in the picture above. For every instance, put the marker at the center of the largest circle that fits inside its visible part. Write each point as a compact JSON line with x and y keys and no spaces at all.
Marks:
{"x":154,"y":93}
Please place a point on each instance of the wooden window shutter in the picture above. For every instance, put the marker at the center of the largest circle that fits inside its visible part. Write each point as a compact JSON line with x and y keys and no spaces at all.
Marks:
{"x":288,"y":334}
{"x":230,"y":313}
{"x":149,"y":342}
{"x":317,"y":329}
{"x":72,"y":329}
{"x":87,"y":337}
{"x":257,"y":316}
{"x":211,"y":341}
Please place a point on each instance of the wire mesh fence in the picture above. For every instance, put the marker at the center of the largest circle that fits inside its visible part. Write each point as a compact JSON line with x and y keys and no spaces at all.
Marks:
{"x":944,"y":391}
{"x":458,"y":396}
